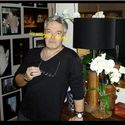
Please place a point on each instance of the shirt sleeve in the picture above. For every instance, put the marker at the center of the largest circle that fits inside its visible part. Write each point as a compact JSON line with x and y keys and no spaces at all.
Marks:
{"x":76,"y":78}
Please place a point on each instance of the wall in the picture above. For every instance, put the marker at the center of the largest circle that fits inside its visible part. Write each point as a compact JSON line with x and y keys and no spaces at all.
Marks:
{"x":90,"y":7}
{"x":19,"y":43}
{"x":70,"y":6}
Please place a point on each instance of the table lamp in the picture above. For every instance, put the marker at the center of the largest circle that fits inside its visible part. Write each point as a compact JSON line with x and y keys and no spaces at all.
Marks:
{"x":93,"y":34}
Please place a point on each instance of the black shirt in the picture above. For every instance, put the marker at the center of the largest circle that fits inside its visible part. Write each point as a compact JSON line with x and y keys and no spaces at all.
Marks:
{"x":44,"y":95}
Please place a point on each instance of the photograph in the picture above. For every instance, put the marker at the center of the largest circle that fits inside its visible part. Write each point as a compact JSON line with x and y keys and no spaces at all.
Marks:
{"x":41,"y":4}
{"x":11,"y":20}
{"x":38,"y":42}
{"x":20,"y":48}
{"x":5,"y":58}
{"x":11,"y":105}
{"x":34,"y":19}
{"x":8,"y":85}
{"x":31,"y":4}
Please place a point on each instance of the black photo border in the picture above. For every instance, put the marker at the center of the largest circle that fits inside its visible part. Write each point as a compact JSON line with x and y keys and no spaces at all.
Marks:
{"x":20,"y":48}
{"x":14,"y":100}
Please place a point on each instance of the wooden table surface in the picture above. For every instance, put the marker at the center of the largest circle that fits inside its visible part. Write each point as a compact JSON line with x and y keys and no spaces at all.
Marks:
{"x":66,"y":114}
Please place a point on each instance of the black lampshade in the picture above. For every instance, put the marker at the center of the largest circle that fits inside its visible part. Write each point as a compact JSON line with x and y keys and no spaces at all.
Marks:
{"x":120,"y":31}
{"x":120,"y":41}
{"x":94,"y":33}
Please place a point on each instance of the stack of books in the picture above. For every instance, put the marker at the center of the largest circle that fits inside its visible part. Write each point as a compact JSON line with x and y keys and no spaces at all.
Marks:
{"x":120,"y":109}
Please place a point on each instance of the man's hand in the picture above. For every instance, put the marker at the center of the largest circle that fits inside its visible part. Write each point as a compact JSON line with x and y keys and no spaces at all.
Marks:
{"x":32,"y":72}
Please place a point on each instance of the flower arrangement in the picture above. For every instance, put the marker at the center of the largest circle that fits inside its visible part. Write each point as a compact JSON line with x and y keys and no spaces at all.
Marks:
{"x":67,"y":16}
{"x":99,"y":14}
{"x":106,"y":66}
{"x":100,"y":64}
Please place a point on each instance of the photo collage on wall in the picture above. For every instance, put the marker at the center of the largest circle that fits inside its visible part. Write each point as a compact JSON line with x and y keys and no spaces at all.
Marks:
{"x":16,"y":21}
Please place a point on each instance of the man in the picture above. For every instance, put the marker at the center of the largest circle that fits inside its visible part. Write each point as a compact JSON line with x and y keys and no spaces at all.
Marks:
{"x":47,"y":73}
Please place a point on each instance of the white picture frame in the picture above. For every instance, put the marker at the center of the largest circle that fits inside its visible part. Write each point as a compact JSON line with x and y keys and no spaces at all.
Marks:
{"x":38,"y":42}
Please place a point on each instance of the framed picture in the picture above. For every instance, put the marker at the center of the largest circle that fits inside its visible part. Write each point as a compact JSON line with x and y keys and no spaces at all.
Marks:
{"x":5,"y":57}
{"x":38,"y":42}
{"x":34,"y":19}
{"x":20,"y":48}
{"x":31,"y":4}
{"x":11,"y":105}
{"x":8,"y":85}
{"x":11,"y":20}
{"x":41,"y":4}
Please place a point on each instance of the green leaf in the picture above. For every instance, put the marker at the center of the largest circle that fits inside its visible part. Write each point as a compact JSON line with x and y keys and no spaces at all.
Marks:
{"x":85,"y":73}
{"x":106,"y":102}
{"x":86,"y":59}
{"x":102,"y":89}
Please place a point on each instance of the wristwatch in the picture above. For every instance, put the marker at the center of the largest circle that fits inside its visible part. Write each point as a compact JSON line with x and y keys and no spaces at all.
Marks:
{"x":79,"y":114}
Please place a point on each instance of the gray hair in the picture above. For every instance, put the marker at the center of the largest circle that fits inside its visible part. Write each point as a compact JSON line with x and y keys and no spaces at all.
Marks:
{"x":58,"y":19}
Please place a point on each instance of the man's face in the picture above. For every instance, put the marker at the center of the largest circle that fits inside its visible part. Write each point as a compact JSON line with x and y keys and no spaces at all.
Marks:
{"x":54,"y":33}
{"x":3,"y":59}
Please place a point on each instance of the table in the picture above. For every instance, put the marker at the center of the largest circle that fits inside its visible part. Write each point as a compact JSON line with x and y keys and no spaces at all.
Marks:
{"x":66,"y":114}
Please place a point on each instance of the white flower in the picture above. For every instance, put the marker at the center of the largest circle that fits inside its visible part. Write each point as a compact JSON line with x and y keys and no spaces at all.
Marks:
{"x":98,"y":63}
{"x":98,"y":15}
{"x":66,"y":15}
{"x":114,"y":75}
{"x":109,"y":65}
{"x":122,"y":70}
{"x":76,"y":15}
